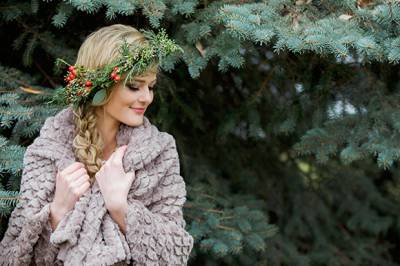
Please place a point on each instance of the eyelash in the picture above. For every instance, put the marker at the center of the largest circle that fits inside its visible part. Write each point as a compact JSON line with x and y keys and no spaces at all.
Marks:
{"x":135,"y":88}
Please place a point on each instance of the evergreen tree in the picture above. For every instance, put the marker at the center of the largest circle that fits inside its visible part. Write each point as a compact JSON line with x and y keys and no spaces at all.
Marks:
{"x":285,"y":113}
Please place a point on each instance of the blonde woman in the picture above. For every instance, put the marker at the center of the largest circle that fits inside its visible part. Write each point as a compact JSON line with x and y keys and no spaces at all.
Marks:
{"x":101,"y":185}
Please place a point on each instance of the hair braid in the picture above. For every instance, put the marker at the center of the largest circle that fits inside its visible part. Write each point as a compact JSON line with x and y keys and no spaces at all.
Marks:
{"x":88,"y":145}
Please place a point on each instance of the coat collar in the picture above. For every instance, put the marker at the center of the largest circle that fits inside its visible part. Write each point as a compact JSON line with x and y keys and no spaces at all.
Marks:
{"x":57,"y":134}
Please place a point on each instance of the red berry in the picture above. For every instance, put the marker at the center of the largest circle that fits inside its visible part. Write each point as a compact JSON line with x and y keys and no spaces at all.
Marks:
{"x":71,"y":68}
{"x":113,"y":75}
{"x":71,"y":76}
{"x":116,"y":68}
{"x":68,"y":78}
{"x":73,"y":72}
{"x":88,"y":83}
{"x":117,"y":78}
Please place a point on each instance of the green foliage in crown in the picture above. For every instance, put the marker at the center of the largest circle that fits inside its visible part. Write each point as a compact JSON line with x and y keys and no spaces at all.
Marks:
{"x":90,"y":85}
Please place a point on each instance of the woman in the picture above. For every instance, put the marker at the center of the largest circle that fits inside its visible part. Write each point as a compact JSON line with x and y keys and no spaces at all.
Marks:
{"x":101,"y":185}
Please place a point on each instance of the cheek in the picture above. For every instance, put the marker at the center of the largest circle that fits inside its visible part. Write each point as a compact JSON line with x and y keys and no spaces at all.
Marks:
{"x":125,"y":97}
{"x":118,"y":101}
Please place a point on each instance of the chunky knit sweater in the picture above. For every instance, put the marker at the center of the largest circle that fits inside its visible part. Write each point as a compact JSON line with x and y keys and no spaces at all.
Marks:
{"x":87,"y":235}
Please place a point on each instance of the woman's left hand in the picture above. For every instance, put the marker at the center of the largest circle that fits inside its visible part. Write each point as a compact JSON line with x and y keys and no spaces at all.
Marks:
{"x":114,"y":183}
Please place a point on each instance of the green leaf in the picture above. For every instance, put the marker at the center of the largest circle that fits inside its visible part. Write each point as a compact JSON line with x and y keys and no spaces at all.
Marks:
{"x":99,"y":97}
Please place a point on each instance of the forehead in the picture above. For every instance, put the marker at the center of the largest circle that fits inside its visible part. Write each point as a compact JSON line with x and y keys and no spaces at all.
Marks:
{"x":146,"y":77}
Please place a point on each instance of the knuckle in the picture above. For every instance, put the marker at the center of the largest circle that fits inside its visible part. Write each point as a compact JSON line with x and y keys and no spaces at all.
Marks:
{"x":71,"y":184}
{"x":66,"y":180}
{"x":69,"y":179}
{"x":75,"y":192}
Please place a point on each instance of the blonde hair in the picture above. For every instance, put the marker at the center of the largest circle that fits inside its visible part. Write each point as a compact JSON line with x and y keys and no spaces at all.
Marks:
{"x":99,"y":49}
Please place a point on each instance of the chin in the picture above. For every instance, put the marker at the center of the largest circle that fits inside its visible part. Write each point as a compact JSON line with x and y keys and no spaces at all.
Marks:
{"x":133,"y":122}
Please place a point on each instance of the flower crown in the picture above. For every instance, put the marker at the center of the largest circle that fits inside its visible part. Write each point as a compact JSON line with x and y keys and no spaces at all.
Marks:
{"x":91,"y":84}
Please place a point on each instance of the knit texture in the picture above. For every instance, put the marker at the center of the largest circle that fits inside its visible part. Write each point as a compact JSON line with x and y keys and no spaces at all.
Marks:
{"x":87,"y":235}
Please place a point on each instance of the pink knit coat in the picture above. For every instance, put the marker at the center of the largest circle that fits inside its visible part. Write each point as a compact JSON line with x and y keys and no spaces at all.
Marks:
{"x":87,"y":235}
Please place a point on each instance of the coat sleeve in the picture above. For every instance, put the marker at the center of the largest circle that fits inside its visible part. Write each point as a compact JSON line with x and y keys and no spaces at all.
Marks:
{"x":26,"y":239}
{"x":156,"y":234}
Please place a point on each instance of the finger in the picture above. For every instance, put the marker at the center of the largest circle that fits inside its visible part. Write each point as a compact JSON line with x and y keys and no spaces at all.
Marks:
{"x":83,"y":188}
{"x":100,"y":172}
{"x":75,"y":175}
{"x":118,"y":154}
{"x":72,"y":168}
{"x":81,"y":180}
{"x":131,"y":175}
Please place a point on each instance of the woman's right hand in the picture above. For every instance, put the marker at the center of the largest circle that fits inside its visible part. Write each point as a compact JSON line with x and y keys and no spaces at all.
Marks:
{"x":71,"y":183}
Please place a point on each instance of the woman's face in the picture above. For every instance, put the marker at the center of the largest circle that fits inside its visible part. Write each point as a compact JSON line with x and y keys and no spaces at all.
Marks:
{"x":128,"y":103}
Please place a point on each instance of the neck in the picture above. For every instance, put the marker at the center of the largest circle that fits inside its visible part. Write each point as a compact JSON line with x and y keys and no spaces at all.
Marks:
{"x":108,"y":128}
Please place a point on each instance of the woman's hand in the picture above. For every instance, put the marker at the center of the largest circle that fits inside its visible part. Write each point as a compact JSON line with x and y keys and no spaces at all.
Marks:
{"x":71,"y":184}
{"x":114,"y":183}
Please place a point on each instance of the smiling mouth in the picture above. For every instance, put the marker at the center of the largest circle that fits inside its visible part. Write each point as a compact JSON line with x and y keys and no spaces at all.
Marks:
{"x":137,"y":110}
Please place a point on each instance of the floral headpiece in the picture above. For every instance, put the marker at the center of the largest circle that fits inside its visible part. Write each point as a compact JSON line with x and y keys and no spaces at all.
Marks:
{"x":87,"y":84}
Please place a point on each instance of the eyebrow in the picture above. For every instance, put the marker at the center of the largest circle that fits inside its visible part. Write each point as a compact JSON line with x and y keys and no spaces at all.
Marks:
{"x":143,"y":80}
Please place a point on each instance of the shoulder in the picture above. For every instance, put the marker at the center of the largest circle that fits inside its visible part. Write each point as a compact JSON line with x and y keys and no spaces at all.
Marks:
{"x":62,"y":122}
{"x":166,"y":144}
{"x":170,"y":151}
{"x":169,"y":139}
{"x":55,"y":133}
{"x":169,"y":143}
{"x":164,"y":138}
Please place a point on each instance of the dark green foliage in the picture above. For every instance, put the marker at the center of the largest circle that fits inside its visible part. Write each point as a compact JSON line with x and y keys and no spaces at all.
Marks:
{"x":286,"y":115}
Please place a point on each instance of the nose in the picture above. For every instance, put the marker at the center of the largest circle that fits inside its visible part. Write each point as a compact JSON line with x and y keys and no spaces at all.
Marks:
{"x":145,"y":95}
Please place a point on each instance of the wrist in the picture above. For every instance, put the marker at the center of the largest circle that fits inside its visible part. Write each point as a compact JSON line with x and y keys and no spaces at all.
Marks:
{"x":56,"y":211}
{"x":54,"y":217}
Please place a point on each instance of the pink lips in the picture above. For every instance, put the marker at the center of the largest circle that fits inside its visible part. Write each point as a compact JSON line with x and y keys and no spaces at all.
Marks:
{"x":138,"y":110}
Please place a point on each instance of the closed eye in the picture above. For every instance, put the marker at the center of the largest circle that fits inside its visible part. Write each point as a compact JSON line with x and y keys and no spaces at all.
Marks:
{"x":136,"y":88}
{"x":133,"y":88}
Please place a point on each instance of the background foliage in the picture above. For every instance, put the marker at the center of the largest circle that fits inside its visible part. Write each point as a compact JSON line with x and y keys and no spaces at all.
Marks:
{"x":286,"y":115}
